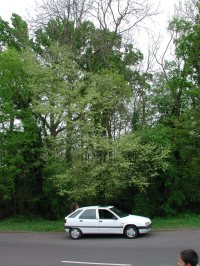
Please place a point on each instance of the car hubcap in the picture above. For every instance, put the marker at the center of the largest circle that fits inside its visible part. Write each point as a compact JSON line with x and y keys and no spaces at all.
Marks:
{"x":75,"y":233}
{"x":131,"y":232}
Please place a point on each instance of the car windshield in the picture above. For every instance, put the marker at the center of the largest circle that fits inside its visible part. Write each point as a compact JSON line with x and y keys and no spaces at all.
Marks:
{"x":120,"y":213}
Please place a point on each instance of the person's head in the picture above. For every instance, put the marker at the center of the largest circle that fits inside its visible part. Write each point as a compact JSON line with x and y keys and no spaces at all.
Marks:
{"x":75,"y":204}
{"x":188,"y":257}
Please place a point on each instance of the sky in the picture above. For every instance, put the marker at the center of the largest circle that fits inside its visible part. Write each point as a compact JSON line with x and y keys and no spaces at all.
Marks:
{"x":7,"y":7}
{"x":158,"y":25}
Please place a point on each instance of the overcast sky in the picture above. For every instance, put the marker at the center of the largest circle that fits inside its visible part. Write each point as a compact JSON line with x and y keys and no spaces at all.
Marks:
{"x":166,"y":9}
{"x":7,"y":7}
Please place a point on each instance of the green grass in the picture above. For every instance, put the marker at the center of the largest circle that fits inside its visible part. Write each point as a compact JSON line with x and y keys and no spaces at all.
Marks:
{"x":187,"y":221}
{"x":23,"y":224}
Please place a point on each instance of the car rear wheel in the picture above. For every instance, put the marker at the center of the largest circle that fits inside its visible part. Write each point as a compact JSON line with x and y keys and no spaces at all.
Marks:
{"x":75,"y":233}
{"x":131,"y":231}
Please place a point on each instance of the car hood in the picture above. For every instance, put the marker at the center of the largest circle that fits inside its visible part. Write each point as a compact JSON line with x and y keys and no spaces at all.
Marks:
{"x":136,"y":218}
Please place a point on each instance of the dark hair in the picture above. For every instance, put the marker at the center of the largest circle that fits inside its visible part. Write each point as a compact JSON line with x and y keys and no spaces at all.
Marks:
{"x":189,"y":256}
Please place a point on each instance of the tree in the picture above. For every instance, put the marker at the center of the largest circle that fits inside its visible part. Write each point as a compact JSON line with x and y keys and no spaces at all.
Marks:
{"x":14,"y":36}
{"x":20,"y":136}
{"x":174,"y":109}
{"x":81,"y":121}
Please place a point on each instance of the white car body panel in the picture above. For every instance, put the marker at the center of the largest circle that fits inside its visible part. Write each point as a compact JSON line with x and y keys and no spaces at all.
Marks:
{"x":110,"y":226}
{"x":88,"y":226}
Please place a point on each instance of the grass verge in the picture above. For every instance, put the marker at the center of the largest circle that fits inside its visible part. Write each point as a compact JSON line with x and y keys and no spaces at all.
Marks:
{"x":23,"y":224}
{"x":187,"y":221}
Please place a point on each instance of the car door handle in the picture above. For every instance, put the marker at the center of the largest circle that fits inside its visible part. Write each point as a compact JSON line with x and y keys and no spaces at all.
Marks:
{"x":100,"y":221}
{"x":80,"y":220}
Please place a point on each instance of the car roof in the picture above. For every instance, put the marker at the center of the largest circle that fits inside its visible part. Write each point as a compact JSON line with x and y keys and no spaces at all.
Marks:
{"x":95,"y":207}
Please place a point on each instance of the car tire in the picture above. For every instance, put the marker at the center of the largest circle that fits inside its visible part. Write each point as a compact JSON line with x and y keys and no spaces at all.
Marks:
{"x":75,"y":233}
{"x":131,"y":231}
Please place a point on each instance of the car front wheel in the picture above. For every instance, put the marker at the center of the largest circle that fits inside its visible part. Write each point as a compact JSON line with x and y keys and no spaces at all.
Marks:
{"x":75,"y":233}
{"x":131,"y":231}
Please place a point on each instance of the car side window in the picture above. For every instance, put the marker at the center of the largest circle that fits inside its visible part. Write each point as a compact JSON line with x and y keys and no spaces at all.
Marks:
{"x":105,"y":214}
{"x":88,"y":214}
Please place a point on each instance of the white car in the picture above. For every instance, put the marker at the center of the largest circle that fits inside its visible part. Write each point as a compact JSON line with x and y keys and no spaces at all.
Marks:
{"x":105,"y":220}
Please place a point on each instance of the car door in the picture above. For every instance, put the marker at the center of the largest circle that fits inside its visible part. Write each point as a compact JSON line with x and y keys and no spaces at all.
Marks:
{"x":108,"y":222}
{"x":88,"y":222}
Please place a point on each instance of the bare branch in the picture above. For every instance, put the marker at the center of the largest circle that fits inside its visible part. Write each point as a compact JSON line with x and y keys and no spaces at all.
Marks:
{"x":120,"y":16}
{"x":69,"y":10}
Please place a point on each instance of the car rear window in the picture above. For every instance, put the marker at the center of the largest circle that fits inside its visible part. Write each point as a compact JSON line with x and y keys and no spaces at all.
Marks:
{"x":74,"y":214}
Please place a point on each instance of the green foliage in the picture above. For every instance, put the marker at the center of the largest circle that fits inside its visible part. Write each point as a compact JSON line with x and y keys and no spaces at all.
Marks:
{"x":15,"y":36}
{"x":20,"y":163}
{"x":142,"y":205}
{"x":128,"y":164}
{"x":175,"y":102}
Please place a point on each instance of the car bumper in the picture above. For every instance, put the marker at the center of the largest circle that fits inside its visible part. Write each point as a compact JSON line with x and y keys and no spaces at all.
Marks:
{"x":66,"y":228}
{"x":144,"y":229}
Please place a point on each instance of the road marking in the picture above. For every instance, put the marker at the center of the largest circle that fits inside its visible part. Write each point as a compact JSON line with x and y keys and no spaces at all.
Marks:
{"x":94,"y":263}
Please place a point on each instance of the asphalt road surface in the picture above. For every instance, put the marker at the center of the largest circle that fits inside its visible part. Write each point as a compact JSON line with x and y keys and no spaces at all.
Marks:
{"x":158,"y":248}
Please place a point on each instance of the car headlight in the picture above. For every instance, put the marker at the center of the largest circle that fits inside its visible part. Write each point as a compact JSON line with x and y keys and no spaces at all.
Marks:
{"x":147,"y":223}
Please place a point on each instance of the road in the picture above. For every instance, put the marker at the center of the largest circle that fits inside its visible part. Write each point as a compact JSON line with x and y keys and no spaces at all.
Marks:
{"x":159,"y":248}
